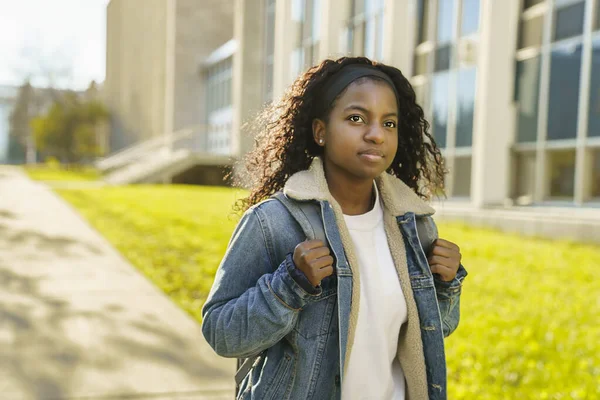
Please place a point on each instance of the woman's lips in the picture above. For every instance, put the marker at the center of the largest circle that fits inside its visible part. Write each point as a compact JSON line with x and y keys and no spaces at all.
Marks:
{"x":372,"y":156}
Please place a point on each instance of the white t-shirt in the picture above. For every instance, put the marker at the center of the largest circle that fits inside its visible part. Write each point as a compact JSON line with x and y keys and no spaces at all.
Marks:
{"x":373,"y":371}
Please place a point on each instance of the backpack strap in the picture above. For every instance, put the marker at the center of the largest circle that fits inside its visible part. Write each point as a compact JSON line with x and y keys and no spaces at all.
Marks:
{"x":307,"y":214}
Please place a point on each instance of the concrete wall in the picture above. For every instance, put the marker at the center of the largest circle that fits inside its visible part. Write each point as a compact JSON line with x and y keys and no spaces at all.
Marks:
{"x":154,"y":49}
{"x":135,"y":69}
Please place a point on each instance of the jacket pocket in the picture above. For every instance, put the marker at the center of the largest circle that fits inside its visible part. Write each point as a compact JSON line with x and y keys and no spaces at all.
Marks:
{"x":316,"y":319}
{"x":276,"y":387}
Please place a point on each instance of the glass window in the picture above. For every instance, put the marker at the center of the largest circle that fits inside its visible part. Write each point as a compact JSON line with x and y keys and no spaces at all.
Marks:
{"x":422,"y":21}
{"x":524,"y":177}
{"x":439,"y":96}
{"x":370,"y":33}
{"x":298,"y":10}
{"x":421,"y":63}
{"x":316,"y":20}
{"x":569,"y":21}
{"x":465,"y":104}
{"x":597,"y":21}
{"x":529,"y":3}
{"x":442,"y":58}
{"x":462,"y":177}
{"x":593,"y":127}
{"x":561,"y":174}
{"x":596,"y":175}
{"x":565,"y":66}
{"x":527,"y":89}
{"x":421,"y":94}
{"x":531,"y":32}
{"x":469,"y":17}
{"x":445,"y":19}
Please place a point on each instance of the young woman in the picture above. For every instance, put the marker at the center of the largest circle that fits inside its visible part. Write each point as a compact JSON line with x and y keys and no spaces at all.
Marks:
{"x":362,"y":314}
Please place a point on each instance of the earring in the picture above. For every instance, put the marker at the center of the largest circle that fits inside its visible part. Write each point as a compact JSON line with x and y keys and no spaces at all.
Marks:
{"x":320,"y":141}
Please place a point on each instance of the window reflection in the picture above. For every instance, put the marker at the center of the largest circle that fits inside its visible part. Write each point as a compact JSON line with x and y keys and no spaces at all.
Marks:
{"x":462,"y":177}
{"x":531,"y":31}
{"x":594,"y":106}
{"x":422,"y":21}
{"x":527,"y":89}
{"x":439,"y":96}
{"x":596,"y":175}
{"x":569,"y":21}
{"x":565,"y":69}
{"x":445,"y":14}
{"x":524,"y":177}
{"x":561,"y":174}
{"x":470,"y":17}
{"x":465,"y":106}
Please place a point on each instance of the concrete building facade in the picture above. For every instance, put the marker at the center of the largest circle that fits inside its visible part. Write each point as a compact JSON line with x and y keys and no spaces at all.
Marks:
{"x":511,"y":88}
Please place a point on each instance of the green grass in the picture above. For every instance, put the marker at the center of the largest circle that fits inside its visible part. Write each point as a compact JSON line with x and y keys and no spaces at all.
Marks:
{"x":530,"y":308}
{"x":176,"y":235}
{"x":44,"y":172}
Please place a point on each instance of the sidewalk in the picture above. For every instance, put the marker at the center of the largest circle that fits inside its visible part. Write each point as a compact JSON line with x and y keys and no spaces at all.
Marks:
{"x":77,"y":321}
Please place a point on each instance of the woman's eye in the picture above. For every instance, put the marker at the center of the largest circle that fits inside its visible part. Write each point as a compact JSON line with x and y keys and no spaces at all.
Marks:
{"x":355,"y":118}
{"x":390,"y":124}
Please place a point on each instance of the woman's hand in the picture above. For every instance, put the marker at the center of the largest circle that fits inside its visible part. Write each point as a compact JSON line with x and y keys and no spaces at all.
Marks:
{"x":313,"y":258}
{"x":444,"y":259}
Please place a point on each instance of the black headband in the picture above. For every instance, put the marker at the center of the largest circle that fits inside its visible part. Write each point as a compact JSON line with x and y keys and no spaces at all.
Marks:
{"x":345,"y":76}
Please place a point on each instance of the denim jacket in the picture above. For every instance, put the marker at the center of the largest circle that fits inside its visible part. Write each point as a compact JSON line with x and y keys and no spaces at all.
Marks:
{"x":257,"y":302}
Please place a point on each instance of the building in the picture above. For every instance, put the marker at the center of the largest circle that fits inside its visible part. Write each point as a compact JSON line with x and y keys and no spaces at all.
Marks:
{"x":511,"y":88}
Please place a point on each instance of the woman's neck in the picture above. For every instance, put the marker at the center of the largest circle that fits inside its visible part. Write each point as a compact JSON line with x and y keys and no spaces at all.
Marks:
{"x":355,"y":197}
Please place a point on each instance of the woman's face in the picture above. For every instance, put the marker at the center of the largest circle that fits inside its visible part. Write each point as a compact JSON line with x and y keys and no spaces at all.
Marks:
{"x":361,"y":138}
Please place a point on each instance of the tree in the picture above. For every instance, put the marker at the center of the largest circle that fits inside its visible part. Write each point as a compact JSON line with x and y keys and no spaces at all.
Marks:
{"x":68,"y":131}
{"x":20,"y":117}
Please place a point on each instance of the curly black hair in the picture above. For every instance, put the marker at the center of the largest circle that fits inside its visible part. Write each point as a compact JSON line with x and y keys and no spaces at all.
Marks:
{"x":284,"y":142}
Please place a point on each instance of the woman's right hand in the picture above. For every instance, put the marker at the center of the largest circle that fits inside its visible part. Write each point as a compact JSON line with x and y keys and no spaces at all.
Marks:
{"x":313,"y":258}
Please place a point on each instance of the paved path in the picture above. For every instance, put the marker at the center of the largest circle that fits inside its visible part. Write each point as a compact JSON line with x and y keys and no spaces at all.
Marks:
{"x":77,"y":321}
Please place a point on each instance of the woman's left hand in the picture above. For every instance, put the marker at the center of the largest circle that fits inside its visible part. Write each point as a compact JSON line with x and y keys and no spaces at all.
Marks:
{"x":444,"y":259}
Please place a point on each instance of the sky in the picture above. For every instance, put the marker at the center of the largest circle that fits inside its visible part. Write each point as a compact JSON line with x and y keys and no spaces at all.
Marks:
{"x":62,"y":42}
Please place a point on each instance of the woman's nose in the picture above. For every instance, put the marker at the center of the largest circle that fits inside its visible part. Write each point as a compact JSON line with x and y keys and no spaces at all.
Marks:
{"x":375,"y":134}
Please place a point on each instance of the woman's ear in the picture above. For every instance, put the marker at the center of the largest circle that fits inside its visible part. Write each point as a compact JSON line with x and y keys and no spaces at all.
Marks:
{"x":318,"y":128}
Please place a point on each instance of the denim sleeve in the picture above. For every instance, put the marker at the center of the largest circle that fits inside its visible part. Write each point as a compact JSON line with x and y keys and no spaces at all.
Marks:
{"x":252,"y":304}
{"x":448,"y":295}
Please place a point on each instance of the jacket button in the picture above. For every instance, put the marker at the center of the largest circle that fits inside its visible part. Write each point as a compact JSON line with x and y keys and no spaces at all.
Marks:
{"x":337,"y":380}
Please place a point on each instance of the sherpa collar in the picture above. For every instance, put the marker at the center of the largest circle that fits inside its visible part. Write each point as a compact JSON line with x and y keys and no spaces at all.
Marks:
{"x":397,"y":197}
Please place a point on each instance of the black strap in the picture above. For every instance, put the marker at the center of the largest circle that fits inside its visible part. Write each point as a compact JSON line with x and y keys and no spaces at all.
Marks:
{"x":307,"y":213}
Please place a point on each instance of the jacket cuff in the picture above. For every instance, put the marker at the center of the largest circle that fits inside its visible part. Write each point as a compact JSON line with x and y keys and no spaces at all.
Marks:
{"x":300,"y":277}
{"x":455,"y":283}
{"x":287,"y":289}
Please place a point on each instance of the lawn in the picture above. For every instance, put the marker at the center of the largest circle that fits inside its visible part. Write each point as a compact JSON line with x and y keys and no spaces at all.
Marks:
{"x":46,"y":172}
{"x":530,"y":311}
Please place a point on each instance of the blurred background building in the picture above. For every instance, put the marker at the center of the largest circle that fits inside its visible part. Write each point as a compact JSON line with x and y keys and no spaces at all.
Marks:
{"x":511,"y":88}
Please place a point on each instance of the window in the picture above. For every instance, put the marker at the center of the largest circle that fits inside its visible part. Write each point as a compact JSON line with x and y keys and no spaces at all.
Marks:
{"x":561,"y":174}
{"x":421,"y":63}
{"x":440,"y":106}
{"x":596,"y":175}
{"x":469,"y":17}
{"x":524,"y":177}
{"x":421,"y":94}
{"x":527,"y":96}
{"x":442,"y":58}
{"x":465,"y":104}
{"x":269,"y":37}
{"x":445,"y":20}
{"x":593,"y":127}
{"x":597,"y":20}
{"x":462,"y":177}
{"x":530,"y":3}
{"x":531,"y":32}
{"x":565,"y":66}
{"x":568,"y":21}
{"x":422,"y":21}
{"x":365,"y":31}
